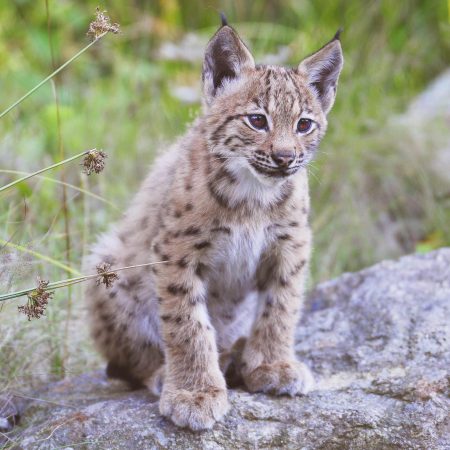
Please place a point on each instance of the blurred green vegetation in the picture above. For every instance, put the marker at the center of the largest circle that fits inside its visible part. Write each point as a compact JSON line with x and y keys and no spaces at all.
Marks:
{"x":374,"y":193}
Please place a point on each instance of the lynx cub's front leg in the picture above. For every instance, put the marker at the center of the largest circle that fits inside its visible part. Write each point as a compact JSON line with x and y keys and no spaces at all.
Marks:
{"x":269,"y":362}
{"x":194,"y":391}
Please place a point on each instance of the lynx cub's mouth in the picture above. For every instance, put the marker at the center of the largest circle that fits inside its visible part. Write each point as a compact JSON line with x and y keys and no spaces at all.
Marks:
{"x":225,"y":211}
{"x":275,"y":172}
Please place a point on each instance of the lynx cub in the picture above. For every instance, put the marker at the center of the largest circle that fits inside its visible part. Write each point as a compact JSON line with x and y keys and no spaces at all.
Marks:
{"x":227,"y":208}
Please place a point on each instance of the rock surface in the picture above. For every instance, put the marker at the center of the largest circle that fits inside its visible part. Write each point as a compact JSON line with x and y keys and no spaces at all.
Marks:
{"x":378,"y":341}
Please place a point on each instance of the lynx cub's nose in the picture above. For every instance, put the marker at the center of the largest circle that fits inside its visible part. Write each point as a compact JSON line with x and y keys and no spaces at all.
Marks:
{"x":283,"y":158}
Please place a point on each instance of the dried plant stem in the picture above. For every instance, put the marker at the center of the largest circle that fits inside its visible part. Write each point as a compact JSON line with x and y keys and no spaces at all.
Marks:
{"x":64,"y":189}
{"x":86,"y":218}
{"x":53,"y":166}
{"x":59,"y":69}
{"x":86,"y":192}
{"x":72,"y":281}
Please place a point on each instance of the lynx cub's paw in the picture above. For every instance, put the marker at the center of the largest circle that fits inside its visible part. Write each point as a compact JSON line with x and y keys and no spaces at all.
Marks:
{"x":281,"y":377}
{"x":197,"y":410}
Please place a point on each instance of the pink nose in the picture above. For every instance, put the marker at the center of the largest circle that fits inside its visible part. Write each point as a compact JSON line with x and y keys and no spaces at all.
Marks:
{"x":283,"y":158}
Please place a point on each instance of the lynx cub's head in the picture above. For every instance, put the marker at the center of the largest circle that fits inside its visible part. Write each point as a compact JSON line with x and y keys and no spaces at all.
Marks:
{"x":266,"y":120}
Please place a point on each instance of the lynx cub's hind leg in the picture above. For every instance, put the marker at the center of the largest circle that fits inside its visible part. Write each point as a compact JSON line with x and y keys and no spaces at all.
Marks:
{"x":123,"y":318}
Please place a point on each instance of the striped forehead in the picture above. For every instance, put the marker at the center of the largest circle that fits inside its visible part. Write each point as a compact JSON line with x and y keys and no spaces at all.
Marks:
{"x":281,"y":92}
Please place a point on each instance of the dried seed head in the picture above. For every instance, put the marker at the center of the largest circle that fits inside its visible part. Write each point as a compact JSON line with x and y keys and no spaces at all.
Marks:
{"x":102,"y":24}
{"x":94,"y":161}
{"x":105,"y":275}
{"x":37,"y":301}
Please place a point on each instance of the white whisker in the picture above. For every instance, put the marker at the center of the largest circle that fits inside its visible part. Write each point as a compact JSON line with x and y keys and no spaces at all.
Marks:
{"x":310,"y":171}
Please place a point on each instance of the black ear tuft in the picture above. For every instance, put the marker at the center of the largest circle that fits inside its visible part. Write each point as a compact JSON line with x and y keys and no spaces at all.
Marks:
{"x":223,"y":18}
{"x":337,"y":36}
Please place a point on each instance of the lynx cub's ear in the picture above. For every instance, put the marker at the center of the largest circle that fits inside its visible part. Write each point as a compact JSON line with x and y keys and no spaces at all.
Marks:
{"x":226,"y":57}
{"x":322,"y":70}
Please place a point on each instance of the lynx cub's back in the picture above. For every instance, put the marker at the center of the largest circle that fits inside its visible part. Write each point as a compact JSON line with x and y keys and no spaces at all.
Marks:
{"x":227,"y":209}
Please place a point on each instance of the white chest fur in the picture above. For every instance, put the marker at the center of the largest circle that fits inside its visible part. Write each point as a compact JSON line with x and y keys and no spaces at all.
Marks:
{"x":232,"y":301}
{"x":236,"y":256}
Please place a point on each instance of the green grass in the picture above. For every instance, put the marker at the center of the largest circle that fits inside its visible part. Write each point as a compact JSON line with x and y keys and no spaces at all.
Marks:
{"x":374,"y":194}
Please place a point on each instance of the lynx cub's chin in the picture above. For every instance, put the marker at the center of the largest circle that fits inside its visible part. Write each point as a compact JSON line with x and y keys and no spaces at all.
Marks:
{"x":227,"y":208}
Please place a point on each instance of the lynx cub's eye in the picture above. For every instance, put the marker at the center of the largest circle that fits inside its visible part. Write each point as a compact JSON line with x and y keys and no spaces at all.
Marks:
{"x":258,"y":121}
{"x":304,"y":125}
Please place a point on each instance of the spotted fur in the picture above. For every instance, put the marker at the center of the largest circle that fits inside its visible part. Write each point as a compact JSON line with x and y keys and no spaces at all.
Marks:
{"x":232,"y":226}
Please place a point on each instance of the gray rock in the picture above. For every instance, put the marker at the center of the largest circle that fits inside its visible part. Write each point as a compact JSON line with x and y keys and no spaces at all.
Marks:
{"x":378,"y":340}
{"x":433,"y":102}
{"x":432,"y":107}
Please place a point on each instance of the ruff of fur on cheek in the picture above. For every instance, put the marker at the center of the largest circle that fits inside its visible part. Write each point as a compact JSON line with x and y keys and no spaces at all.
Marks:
{"x":268,"y":198}
{"x":235,"y":187}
